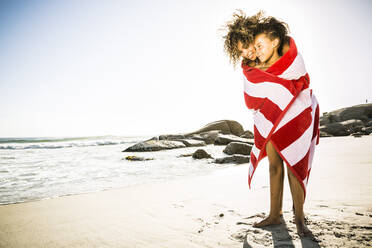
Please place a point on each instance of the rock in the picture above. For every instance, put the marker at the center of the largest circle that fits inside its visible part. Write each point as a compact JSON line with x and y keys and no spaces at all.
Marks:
{"x":238,"y":159}
{"x":367,"y":130}
{"x":369,"y":123}
{"x":225,"y":126}
{"x":353,"y":125}
{"x":324,"y":134}
{"x":154,"y":145}
{"x":135,"y":158}
{"x":247,"y":134}
{"x":360,"y":112}
{"x":328,"y":118}
{"x":238,"y":148}
{"x":192,"y":142}
{"x":200,"y":153}
{"x":171,"y":137}
{"x":357,"y":135}
{"x":224,"y":139}
{"x":335,"y":129}
{"x":208,"y":137}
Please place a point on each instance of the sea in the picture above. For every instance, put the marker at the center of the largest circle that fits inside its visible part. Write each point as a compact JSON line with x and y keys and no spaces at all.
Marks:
{"x":47,"y":167}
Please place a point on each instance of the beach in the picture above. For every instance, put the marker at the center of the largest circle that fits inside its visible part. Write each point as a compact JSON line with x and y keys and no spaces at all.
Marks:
{"x":214,"y":210}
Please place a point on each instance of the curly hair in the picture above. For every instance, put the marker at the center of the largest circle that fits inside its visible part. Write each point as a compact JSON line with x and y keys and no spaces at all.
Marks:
{"x":240,"y":28}
{"x":274,"y":28}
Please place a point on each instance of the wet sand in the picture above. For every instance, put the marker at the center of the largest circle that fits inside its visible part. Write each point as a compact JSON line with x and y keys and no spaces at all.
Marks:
{"x":217,"y":210}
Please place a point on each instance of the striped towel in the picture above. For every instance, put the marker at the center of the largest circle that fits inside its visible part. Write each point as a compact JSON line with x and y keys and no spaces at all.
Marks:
{"x":285,"y":111}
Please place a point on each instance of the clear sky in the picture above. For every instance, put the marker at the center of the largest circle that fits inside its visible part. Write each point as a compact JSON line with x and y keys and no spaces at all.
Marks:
{"x":142,"y":67}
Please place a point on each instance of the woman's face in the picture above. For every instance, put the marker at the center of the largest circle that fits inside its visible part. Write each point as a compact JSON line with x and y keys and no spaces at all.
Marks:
{"x":265,"y":48}
{"x":247,"y":52}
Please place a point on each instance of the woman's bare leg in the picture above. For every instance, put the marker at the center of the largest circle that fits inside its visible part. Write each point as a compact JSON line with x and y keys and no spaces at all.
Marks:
{"x":298,"y":201}
{"x":276,"y":187}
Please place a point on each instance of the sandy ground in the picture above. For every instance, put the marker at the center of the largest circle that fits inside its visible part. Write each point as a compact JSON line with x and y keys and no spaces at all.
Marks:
{"x":217,"y":210}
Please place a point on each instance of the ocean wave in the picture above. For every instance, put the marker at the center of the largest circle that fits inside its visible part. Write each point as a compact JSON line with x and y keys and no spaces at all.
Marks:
{"x":52,"y":139}
{"x":57,"y":146}
{"x":65,"y":142}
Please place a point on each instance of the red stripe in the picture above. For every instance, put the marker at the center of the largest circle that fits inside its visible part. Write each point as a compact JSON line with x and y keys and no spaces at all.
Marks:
{"x":316,"y":122}
{"x":293,"y":130}
{"x":253,"y":160}
{"x":256,"y":76}
{"x":301,"y":166}
{"x":270,"y":110}
{"x":253,"y":102}
{"x":258,"y":138}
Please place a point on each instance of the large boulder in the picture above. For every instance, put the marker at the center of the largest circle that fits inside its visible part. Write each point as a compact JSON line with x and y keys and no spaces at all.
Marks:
{"x":238,"y":148}
{"x":155,"y":145}
{"x":225,"y":126}
{"x":361,"y":112}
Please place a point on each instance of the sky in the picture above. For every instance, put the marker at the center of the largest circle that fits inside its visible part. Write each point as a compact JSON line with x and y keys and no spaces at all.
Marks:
{"x":141,"y":67}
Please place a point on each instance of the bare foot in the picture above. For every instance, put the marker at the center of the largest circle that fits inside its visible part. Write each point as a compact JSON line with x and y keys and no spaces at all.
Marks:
{"x":302,"y":229}
{"x":268,"y":222}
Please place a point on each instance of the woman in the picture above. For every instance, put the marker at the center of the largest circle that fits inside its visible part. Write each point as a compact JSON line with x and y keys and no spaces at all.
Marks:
{"x":286,"y":113}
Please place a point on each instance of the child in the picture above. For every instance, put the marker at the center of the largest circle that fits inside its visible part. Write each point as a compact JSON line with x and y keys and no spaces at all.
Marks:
{"x":286,"y":112}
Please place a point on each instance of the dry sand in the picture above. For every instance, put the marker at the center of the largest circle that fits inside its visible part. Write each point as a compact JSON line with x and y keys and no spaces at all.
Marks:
{"x":217,"y":210}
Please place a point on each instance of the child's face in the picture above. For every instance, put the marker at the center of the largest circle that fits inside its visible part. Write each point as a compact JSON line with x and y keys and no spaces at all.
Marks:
{"x":265,"y":47}
{"x":247,"y":52}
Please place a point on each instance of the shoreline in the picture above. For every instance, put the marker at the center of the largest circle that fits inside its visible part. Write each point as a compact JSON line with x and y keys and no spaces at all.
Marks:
{"x":214,"y":210}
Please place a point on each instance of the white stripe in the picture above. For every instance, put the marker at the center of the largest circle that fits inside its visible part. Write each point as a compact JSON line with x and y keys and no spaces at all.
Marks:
{"x":295,"y":70}
{"x":277,"y":93}
{"x":302,"y":102}
{"x":313,"y":142}
{"x":250,"y":169}
{"x":311,"y":155}
{"x":298,"y":149}
{"x":305,"y":181}
{"x":262,"y":124}
{"x":255,"y":151}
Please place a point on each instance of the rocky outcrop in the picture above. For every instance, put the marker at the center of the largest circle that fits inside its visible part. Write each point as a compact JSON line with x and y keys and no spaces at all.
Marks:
{"x":361,"y":112}
{"x":347,"y":121}
{"x":223,"y":132}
